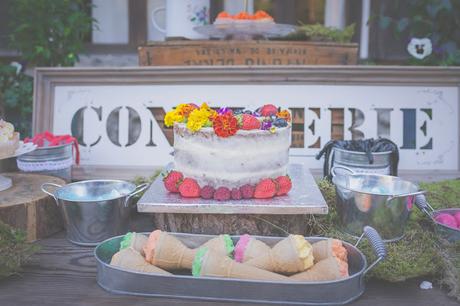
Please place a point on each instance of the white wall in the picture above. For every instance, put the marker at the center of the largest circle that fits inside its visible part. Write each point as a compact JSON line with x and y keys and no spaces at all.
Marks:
{"x":112,"y":22}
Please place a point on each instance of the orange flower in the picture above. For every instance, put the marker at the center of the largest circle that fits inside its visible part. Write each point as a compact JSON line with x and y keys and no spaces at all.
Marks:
{"x":225,"y":125}
{"x":186,"y":109}
{"x":284,"y":114}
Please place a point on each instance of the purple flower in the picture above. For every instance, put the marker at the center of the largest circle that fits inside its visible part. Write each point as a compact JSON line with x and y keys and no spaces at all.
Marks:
{"x":266,"y":125}
{"x":223,"y":110}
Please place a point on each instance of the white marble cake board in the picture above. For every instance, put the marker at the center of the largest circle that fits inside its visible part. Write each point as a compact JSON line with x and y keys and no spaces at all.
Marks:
{"x":304,"y":198}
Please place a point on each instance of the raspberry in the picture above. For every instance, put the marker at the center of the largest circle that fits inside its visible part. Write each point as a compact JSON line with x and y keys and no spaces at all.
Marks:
{"x":222,"y":194}
{"x":207,"y":192}
{"x":236,"y":194}
{"x":268,"y":110}
{"x":172,"y":180}
{"x":249,"y":122}
{"x":265,"y":189}
{"x":247,"y":191}
{"x":284,"y":184}
{"x":189,"y":188}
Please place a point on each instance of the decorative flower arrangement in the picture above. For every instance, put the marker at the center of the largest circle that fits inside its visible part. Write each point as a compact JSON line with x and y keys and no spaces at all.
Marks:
{"x":226,"y":122}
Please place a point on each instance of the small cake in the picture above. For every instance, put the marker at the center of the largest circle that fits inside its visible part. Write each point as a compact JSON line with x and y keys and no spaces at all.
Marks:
{"x":229,"y":154}
{"x":9,"y":139}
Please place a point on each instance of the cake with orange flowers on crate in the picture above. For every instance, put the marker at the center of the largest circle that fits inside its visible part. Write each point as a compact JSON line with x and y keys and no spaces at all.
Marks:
{"x":225,"y":154}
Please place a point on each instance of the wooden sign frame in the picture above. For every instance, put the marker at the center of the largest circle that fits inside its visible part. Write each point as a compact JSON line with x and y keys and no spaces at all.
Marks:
{"x":47,"y":79}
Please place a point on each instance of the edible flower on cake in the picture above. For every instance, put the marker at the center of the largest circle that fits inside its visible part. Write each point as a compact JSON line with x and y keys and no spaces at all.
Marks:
{"x":243,"y":17}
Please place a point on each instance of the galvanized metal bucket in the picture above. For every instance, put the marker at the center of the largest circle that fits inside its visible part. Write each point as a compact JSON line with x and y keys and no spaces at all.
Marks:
{"x":446,"y":232}
{"x":359,"y":161}
{"x":94,"y":210}
{"x":381,"y":201}
{"x":54,"y":161}
{"x":337,"y":292}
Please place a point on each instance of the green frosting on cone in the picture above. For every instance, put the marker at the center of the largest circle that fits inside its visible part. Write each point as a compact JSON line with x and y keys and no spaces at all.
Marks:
{"x":126,"y":240}
{"x":198,"y":261}
{"x":229,"y":244}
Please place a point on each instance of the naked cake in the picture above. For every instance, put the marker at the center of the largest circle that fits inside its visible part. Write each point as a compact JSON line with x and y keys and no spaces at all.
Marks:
{"x":229,"y":154}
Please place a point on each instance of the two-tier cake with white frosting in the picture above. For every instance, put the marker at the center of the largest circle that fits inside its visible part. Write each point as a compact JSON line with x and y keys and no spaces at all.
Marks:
{"x":227,"y":154}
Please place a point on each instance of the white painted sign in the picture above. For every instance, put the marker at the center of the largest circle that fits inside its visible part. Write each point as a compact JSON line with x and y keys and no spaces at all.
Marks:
{"x":116,"y":126}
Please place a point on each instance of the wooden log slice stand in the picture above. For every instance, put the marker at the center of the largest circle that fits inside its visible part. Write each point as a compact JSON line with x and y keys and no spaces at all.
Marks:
{"x":25,"y":206}
{"x":216,"y":224}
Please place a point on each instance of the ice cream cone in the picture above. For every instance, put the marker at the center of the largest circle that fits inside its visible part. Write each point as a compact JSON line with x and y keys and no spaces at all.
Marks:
{"x":135,"y":241}
{"x":168,"y":252}
{"x":130,"y":259}
{"x":209,"y":263}
{"x":222,"y":245}
{"x":327,"y":248}
{"x":248,"y":248}
{"x":290,"y":255}
{"x":327,"y":269}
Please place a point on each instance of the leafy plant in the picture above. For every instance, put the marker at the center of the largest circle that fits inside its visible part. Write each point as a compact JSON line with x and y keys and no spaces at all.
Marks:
{"x":14,"y":250}
{"x":319,"y":32}
{"x":16,"y":89}
{"x":50,"y":32}
{"x":438,"y":20}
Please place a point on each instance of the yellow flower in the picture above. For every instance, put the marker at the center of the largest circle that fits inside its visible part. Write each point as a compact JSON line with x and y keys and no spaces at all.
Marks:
{"x":197,"y":119}
{"x":173,"y":116}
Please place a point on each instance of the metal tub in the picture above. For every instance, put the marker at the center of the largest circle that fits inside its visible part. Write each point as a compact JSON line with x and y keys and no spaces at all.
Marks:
{"x":446,"y":232}
{"x":381,"y":201}
{"x":339,"y":292}
{"x":94,"y":210}
{"x":359,"y":161}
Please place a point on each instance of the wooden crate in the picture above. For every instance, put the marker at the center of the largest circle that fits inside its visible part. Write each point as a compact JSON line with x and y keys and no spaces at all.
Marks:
{"x":253,"y":52}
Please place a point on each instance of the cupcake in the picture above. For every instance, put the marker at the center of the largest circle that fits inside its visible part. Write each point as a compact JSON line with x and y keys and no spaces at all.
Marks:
{"x":224,"y":18}
{"x":9,"y":139}
{"x":263,"y":17}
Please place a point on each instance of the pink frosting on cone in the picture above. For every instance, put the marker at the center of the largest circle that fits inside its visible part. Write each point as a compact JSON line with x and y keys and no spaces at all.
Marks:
{"x":240,"y":247}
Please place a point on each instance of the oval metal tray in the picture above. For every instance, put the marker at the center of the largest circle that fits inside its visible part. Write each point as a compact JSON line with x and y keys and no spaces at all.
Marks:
{"x":183,"y":285}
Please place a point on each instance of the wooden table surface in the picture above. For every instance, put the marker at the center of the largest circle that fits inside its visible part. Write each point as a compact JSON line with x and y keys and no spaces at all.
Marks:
{"x":65,"y":274}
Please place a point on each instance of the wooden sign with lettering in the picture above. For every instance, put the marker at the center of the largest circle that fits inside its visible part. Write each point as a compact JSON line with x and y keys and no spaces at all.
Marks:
{"x":255,"y":52}
{"x":117,"y":113}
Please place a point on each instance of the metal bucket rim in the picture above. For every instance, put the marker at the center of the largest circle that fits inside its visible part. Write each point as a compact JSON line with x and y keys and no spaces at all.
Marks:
{"x":363,"y":153}
{"x":371,"y":193}
{"x":132,"y":185}
{"x":357,"y":274}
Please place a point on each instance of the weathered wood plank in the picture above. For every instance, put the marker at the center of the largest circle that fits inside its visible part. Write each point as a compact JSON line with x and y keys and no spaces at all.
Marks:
{"x":64,"y":274}
{"x":253,"y":52}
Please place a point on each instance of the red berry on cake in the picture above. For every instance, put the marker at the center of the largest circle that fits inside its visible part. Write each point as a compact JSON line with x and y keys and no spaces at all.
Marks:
{"x":172,"y":180}
{"x":222,"y":194}
{"x":249,"y":122}
{"x":207,"y":192}
{"x":284,"y":184}
{"x":268,"y":110}
{"x":189,"y":188}
{"x":236,"y":194}
{"x":247,"y":191}
{"x":265,"y":189}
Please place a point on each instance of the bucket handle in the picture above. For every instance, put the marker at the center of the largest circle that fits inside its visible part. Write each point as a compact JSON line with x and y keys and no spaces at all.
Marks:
{"x":341,"y":167}
{"x":392,"y":197}
{"x":422,"y":204}
{"x":43,"y":188}
{"x":138,"y":189}
{"x":377,"y":244}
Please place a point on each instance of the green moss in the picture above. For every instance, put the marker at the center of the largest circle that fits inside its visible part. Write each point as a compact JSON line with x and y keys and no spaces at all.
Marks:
{"x":319,"y":32}
{"x":419,"y":253}
{"x":14,"y":250}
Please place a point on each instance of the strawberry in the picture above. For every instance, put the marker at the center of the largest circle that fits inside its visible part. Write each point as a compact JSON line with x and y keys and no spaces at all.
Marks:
{"x":265,"y":189}
{"x":189,"y":188}
{"x":268,"y":110}
{"x":249,"y":122}
{"x":172,"y":180}
{"x":284,"y":184}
